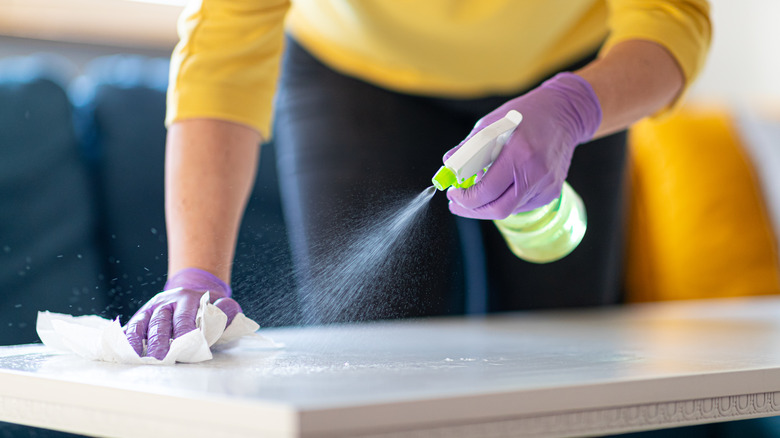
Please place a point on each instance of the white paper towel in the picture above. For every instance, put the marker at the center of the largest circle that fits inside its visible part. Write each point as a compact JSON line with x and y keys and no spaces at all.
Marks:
{"x":96,"y":338}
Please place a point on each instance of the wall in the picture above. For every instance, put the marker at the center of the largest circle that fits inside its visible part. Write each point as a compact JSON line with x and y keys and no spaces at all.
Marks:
{"x":744,"y":62}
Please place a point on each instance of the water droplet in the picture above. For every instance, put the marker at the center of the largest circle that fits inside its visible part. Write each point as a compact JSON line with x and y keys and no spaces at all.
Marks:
{"x":154,"y":230}
{"x":17,"y":306}
{"x":6,"y":249}
{"x":79,"y":255}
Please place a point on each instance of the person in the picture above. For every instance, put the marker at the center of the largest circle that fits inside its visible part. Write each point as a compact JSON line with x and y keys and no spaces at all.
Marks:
{"x":371,"y":94}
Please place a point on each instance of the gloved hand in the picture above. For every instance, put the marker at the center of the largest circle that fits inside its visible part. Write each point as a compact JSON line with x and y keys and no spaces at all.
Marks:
{"x":531,"y":168}
{"x":172,"y":313}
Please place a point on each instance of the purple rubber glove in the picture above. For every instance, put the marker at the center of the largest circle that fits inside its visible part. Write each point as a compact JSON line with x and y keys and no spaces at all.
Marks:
{"x":531,"y":168}
{"x":172,"y":313}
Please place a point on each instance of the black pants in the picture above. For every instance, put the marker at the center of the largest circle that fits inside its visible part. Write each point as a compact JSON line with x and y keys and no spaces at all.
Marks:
{"x":346,"y":149}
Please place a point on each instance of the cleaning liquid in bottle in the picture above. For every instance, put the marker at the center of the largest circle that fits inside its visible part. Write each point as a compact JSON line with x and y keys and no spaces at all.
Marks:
{"x":542,"y":235}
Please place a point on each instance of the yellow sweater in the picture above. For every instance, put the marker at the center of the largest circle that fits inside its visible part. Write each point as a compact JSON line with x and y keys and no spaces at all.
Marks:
{"x":227,"y":62}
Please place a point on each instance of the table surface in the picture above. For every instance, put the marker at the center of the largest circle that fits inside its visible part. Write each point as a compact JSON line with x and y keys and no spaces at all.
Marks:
{"x":535,"y":374}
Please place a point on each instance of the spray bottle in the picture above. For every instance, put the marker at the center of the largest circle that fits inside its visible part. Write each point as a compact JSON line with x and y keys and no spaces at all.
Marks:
{"x":542,"y":235}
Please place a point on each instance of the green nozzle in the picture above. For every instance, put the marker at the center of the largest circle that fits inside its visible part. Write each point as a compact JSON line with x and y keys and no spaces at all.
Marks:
{"x":444,"y":178}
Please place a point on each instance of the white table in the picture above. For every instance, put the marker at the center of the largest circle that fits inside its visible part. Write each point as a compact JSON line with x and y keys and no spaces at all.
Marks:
{"x":534,"y":374}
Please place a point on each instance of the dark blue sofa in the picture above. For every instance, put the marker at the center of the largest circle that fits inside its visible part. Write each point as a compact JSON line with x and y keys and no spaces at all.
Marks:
{"x":82,"y":227}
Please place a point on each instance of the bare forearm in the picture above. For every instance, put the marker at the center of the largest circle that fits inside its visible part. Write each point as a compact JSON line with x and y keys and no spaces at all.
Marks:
{"x":210,"y":167}
{"x":633,"y":80}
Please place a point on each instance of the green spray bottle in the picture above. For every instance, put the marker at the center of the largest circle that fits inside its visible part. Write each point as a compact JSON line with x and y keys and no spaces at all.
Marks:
{"x":542,"y":235}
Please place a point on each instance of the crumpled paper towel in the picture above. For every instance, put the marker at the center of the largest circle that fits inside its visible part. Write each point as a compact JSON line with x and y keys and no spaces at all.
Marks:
{"x":96,"y":338}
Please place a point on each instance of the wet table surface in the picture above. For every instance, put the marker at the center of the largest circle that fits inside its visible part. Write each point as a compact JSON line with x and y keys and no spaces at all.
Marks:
{"x":522,"y":374}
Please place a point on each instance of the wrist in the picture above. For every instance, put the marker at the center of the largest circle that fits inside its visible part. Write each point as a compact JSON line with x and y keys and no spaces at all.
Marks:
{"x":583,"y":109}
{"x":199,"y":280}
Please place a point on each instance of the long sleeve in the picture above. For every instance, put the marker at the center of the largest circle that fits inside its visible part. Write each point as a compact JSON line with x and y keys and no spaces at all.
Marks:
{"x":226,"y":64}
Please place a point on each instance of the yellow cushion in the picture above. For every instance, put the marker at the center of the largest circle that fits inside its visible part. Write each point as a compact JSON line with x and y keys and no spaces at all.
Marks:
{"x":698,"y":226}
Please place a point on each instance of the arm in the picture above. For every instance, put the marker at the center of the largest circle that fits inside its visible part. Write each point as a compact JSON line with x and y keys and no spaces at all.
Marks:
{"x":209,"y":169}
{"x":222,"y":82}
{"x":654,"y":49}
{"x":633,"y":80}
{"x":210,"y":166}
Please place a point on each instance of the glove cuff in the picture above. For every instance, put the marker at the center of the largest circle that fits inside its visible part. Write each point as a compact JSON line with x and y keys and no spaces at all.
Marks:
{"x":586,"y":109}
{"x":199,"y":280}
